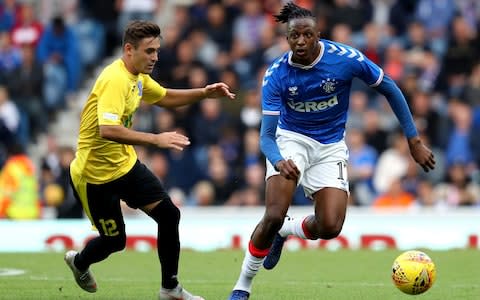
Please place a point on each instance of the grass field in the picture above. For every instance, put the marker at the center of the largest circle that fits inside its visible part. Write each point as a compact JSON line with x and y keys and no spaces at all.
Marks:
{"x":312,"y":274}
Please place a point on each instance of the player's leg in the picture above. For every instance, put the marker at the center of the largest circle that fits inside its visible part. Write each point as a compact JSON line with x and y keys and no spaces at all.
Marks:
{"x":147,"y":193}
{"x":325,"y":181}
{"x":279,"y":193}
{"x":330,"y":210}
{"x":103,"y":209}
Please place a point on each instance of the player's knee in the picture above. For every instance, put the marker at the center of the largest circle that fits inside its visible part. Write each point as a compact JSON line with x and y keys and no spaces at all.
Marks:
{"x":330,"y":231}
{"x":273,"y":221}
{"x":165,"y":212}
{"x":327,"y":229}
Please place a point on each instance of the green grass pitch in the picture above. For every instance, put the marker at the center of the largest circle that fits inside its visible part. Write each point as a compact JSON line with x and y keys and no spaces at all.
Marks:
{"x":307,"y":274}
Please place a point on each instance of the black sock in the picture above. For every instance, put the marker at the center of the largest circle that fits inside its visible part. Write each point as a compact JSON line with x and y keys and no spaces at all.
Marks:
{"x":167,"y":215}
{"x":97,"y":249}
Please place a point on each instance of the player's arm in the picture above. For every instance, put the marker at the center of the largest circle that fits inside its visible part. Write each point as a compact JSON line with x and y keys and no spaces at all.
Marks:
{"x":421,"y":153}
{"x":269,"y":147}
{"x":180,"y":97}
{"x":123,"y":135}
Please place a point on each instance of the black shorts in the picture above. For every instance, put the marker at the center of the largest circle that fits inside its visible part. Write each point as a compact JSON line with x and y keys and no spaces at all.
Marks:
{"x":139,"y":187}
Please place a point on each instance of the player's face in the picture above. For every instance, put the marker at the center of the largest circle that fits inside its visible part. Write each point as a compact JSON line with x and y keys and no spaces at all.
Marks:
{"x":303,"y":40}
{"x":145,"y":55}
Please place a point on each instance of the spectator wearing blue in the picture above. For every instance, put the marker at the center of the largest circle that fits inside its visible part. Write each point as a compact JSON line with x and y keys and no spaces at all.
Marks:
{"x":9,"y":12}
{"x":58,"y":52}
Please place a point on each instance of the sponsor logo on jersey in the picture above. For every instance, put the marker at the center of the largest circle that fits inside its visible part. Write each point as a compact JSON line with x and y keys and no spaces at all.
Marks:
{"x":293,"y":90}
{"x":313,"y":106}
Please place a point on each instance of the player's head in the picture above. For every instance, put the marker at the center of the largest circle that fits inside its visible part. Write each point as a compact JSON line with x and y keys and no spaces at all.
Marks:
{"x":302,"y":34}
{"x":141,"y":41}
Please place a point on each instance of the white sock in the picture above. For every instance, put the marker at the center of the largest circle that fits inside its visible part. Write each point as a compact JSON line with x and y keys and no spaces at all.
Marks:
{"x":250,"y":267}
{"x":293,"y":226}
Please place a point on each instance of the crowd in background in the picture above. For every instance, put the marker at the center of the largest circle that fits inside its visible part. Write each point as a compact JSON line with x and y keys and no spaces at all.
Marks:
{"x":430,"y":48}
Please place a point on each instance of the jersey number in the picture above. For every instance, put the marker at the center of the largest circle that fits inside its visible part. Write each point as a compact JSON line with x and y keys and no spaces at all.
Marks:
{"x":109,"y":227}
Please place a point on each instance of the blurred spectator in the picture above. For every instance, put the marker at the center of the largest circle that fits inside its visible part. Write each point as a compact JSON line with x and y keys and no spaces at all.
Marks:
{"x":392,"y":164}
{"x":206,"y":51}
{"x":10,"y":56}
{"x":158,"y":164}
{"x":9,"y":119}
{"x":361,"y":165}
{"x":218,"y":28}
{"x":458,"y":189}
{"x":395,"y":197}
{"x":374,"y":134}
{"x":25,"y":84}
{"x":203,"y":194}
{"x":251,"y":112}
{"x":181,"y":163}
{"x":19,"y":197}
{"x":459,"y":148}
{"x":66,"y":206}
{"x":427,"y":119}
{"x":130,"y":10}
{"x":394,"y":61}
{"x":177,"y":196}
{"x":59,"y":53}
{"x":218,"y":173}
{"x":167,"y":55}
{"x":461,"y":55}
{"x":247,"y":31}
{"x":355,"y":14}
{"x":358,"y":106}
{"x":9,"y":14}
{"x":342,"y":33}
{"x":401,"y":14}
{"x":207,"y":127}
{"x":103,"y":13}
{"x":28,"y":30}
{"x":472,"y":90}
{"x":436,"y":16}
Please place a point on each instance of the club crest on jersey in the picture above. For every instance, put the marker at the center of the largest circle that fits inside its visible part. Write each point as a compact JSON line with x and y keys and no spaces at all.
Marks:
{"x":292,"y":90}
{"x":329,"y":85}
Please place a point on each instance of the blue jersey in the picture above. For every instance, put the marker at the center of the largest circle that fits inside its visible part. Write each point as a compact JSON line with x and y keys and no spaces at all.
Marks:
{"x":313,"y":100}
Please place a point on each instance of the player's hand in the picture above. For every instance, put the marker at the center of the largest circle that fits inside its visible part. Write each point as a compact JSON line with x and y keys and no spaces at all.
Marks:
{"x":421,"y":154}
{"x":288,"y":169}
{"x":218,"y":90}
{"x":171,"y":140}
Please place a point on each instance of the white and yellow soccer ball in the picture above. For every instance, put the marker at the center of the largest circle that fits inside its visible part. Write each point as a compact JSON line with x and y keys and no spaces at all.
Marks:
{"x":413,"y":272}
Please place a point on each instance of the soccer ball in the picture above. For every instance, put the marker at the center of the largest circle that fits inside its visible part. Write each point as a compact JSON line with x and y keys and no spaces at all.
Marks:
{"x":413,"y":272}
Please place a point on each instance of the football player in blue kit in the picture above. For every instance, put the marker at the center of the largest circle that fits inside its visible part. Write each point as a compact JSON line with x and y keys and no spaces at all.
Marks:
{"x":305,"y":98}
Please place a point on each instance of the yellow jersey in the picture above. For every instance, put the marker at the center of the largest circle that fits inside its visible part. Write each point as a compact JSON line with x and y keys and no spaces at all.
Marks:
{"x":113,"y":100}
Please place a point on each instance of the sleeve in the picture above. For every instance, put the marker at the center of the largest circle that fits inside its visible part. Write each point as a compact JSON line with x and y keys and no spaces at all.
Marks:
{"x":399,"y":105}
{"x":268,"y":144}
{"x":153,"y":92}
{"x":271,"y":100}
{"x":365,"y":69}
{"x":111,"y":106}
{"x":271,"y":106}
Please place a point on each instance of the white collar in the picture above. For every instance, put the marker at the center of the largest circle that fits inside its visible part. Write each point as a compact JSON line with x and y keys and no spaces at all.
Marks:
{"x":322,"y":48}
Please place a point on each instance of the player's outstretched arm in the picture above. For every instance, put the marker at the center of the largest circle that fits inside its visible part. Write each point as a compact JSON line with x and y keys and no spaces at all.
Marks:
{"x":419,"y":151}
{"x":181,"y":97}
{"x":123,"y":135}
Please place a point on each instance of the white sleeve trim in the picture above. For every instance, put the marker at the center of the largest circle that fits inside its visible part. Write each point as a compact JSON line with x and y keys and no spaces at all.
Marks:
{"x":379,"y":80}
{"x":271,"y":112}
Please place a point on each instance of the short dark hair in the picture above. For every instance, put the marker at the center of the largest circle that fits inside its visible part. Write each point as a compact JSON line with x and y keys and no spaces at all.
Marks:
{"x":138,"y":30}
{"x":292,"y":11}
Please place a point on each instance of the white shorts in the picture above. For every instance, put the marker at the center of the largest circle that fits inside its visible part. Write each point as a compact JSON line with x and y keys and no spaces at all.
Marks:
{"x":320,"y":165}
